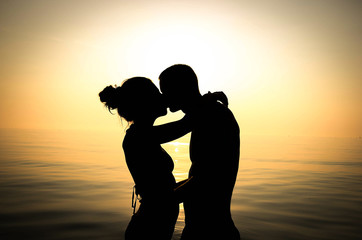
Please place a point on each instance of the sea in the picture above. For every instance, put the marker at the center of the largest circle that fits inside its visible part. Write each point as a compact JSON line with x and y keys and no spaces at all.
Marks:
{"x":74,"y":184}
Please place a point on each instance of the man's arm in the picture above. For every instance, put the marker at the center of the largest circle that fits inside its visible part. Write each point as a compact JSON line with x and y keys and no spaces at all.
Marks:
{"x":182,"y":189}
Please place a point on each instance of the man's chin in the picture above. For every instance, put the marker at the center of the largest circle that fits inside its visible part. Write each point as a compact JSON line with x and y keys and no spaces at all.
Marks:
{"x":163,"y":113}
{"x":173,"y":109}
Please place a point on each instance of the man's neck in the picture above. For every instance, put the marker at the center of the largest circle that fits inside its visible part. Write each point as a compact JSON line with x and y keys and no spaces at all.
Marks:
{"x":193,"y":104}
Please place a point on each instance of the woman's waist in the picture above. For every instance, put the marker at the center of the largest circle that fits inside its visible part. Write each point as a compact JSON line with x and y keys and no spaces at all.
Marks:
{"x":159,"y":209}
{"x":156,"y":195}
{"x":154,"y":185}
{"x":147,"y":191}
{"x":159,"y":201}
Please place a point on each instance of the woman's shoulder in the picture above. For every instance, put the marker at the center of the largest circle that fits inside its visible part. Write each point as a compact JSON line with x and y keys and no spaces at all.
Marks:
{"x":130,"y":139}
{"x":135,"y":137}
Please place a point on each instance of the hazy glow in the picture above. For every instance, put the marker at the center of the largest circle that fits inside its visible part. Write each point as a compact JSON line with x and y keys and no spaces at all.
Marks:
{"x":288,"y":67}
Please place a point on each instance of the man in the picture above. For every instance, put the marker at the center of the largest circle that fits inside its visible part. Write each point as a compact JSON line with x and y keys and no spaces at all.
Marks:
{"x":214,"y":153}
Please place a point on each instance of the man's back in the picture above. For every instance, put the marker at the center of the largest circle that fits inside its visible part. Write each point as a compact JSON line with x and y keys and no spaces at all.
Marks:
{"x":214,"y":152}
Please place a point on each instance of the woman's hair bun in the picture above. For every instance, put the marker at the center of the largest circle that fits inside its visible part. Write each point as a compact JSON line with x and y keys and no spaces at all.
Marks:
{"x":110,"y":96}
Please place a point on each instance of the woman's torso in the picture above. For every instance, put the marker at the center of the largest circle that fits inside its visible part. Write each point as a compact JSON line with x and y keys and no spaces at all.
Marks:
{"x":150,"y":166}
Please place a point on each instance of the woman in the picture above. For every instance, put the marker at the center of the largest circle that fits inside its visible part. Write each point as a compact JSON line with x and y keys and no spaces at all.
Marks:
{"x":139,"y":102}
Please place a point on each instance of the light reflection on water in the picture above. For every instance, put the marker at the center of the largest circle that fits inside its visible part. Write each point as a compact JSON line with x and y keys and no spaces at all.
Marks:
{"x":75,"y":185}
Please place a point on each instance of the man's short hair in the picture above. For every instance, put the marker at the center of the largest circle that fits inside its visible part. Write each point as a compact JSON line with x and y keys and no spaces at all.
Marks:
{"x":179,"y":76}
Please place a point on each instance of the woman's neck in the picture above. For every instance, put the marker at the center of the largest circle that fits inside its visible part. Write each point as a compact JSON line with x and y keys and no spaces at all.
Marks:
{"x":144,"y":122}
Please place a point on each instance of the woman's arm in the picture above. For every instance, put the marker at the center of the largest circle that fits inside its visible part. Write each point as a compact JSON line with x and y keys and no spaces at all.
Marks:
{"x":170,"y":131}
{"x":216,"y":96}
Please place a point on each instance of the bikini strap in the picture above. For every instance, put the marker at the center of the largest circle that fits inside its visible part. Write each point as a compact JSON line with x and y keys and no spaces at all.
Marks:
{"x":134,"y":199}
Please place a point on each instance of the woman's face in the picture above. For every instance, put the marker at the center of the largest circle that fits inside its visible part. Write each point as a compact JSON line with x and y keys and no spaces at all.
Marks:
{"x":144,"y":99}
{"x":160,"y":108}
{"x":153,"y":103}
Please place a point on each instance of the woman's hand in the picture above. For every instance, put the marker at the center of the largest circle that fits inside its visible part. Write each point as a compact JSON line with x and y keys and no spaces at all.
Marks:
{"x":216,"y":96}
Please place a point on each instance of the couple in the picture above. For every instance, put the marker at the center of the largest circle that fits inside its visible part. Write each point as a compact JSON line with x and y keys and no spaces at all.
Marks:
{"x":214,"y":153}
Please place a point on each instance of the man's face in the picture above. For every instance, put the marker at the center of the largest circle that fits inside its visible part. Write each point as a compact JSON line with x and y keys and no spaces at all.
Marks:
{"x":172,"y":98}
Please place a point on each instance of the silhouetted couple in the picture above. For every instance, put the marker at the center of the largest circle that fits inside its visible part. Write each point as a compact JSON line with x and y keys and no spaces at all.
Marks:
{"x":214,"y":153}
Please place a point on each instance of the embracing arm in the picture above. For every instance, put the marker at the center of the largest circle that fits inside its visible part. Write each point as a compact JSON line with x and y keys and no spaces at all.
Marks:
{"x":170,"y":131}
{"x":183,"y":188}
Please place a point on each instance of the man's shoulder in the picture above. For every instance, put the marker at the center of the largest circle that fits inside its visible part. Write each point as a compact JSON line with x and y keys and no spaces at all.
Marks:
{"x":216,"y":114}
{"x":217,"y":110}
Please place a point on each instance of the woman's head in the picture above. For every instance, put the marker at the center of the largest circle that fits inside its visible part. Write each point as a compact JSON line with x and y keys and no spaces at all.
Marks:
{"x":136,"y":98}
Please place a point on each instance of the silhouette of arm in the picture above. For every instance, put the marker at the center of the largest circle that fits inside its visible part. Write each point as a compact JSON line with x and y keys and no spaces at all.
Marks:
{"x":182,"y":189}
{"x":170,"y":131}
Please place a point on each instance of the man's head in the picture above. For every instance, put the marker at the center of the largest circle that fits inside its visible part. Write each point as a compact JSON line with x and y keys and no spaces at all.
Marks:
{"x":180,"y":86}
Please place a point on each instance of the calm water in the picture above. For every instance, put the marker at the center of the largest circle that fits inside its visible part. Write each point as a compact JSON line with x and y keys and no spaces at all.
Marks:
{"x":75,"y":185}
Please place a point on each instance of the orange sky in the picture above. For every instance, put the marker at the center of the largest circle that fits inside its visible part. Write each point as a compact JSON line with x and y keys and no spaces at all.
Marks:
{"x":288,"y":67}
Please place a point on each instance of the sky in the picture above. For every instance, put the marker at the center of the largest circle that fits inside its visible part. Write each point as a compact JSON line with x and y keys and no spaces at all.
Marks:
{"x":288,"y":67}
